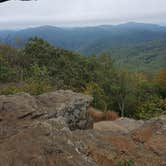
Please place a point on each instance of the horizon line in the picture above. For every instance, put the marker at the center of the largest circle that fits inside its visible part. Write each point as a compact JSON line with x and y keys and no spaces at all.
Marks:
{"x":80,"y":26}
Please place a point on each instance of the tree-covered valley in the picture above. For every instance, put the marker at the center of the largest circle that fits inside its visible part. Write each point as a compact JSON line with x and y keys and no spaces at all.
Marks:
{"x":138,"y":46}
{"x":40,"y":67}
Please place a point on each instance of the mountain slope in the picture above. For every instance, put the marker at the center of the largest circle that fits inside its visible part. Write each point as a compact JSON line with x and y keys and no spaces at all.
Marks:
{"x":148,"y":56}
{"x":89,"y":40}
{"x":136,"y":45}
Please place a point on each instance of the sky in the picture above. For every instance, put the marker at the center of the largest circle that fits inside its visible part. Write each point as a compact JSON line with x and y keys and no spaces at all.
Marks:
{"x":21,"y":14}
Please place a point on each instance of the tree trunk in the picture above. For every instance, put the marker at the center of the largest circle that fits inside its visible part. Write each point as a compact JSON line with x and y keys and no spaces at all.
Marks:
{"x":121,"y":107}
{"x":122,"y":110}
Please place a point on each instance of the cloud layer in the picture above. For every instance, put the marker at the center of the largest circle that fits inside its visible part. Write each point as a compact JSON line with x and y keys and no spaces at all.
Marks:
{"x":17,"y":13}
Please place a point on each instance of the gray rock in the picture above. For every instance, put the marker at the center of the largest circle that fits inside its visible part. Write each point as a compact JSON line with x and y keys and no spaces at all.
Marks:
{"x":72,"y":106}
{"x":123,"y":125}
{"x":67,"y":104}
{"x":17,"y":106}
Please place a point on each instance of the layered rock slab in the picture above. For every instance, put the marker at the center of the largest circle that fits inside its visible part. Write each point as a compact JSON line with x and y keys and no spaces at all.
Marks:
{"x":45,"y":130}
{"x":72,"y":106}
{"x":36,"y":130}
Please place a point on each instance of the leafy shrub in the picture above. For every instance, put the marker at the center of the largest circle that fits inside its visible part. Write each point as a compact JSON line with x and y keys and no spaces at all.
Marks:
{"x":126,"y":163}
{"x":9,"y":90}
{"x":151,"y":108}
{"x":36,"y":88}
{"x":160,"y":81}
{"x":32,"y":87}
{"x":94,"y":90}
{"x":7,"y":74}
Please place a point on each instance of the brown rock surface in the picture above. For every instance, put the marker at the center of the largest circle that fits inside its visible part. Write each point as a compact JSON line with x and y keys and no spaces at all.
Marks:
{"x":123,"y":125}
{"x":145,"y":133}
{"x":36,"y":131}
{"x":72,"y":106}
{"x":42,"y":143}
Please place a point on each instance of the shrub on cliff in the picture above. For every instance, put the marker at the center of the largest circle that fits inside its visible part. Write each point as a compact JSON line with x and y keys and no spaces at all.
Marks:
{"x":155,"y":106}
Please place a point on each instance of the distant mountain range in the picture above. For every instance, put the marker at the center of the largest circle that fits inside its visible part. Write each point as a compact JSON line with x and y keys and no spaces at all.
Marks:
{"x":95,"y":40}
{"x":89,"y":40}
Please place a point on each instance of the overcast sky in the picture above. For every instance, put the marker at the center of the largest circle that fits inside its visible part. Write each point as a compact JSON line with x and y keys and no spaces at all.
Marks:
{"x":17,"y":14}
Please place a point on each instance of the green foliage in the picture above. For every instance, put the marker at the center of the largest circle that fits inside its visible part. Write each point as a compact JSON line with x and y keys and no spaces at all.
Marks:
{"x":36,"y":87}
{"x":9,"y":90}
{"x":7,"y":74}
{"x":151,"y":108}
{"x":99,"y":100}
{"x":126,"y":163}
{"x":38,"y":81}
{"x":160,"y":82}
{"x":32,"y":87}
{"x":39,"y":68}
{"x":147,"y":56}
{"x":121,"y":89}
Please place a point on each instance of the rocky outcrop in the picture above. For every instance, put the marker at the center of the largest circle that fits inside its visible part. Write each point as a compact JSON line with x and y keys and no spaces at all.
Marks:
{"x":122,"y":125}
{"x":45,"y":143}
{"x":36,"y":130}
{"x":44,"y":131}
{"x":143,"y":144}
{"x":72,"y":106}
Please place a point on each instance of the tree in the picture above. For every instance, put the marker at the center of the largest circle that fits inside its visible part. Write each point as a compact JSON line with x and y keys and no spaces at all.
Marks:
{"x":99,"y":98}
{"x":121,"y":88}
{"x":8,"y":71}
{"x":160,"y":81}
{"x":154,"y":106}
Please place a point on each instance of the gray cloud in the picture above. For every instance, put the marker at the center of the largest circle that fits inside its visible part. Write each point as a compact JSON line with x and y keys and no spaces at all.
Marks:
{"x":17,"y":14}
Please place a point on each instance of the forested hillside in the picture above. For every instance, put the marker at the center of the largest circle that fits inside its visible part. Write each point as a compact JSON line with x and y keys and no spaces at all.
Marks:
{"x":40,"y":67}
{"x":136,"y":45}
{"x":148,"y":57}
{"x":88,"y":40}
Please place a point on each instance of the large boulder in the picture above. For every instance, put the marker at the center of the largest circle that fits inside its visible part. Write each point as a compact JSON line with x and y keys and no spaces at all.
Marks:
{"x":17,"y":106}
{"x":36,"y":130}
{"x":142,"y":144}
{"x":72,"y":106}
{"x":43,"y":143}
{"x":122,"y":125}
